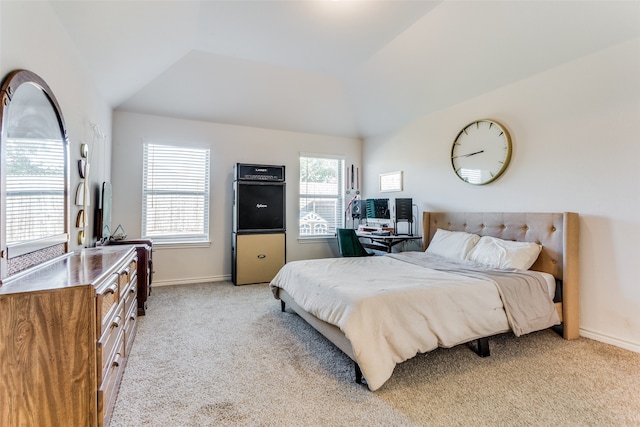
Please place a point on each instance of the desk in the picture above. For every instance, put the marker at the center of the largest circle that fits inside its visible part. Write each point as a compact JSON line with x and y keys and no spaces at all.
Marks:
{"x":384,"y":243}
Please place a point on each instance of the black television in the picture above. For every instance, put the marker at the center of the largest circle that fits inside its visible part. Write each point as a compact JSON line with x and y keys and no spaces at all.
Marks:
{"x":104,"y":216}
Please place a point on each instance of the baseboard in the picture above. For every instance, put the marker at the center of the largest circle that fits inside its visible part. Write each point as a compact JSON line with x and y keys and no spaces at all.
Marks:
{"x":627,"y":345}
{"x":159,"y":283}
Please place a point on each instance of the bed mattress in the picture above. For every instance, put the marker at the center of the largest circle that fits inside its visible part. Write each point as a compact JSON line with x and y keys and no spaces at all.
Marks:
{"x":391,"y":308}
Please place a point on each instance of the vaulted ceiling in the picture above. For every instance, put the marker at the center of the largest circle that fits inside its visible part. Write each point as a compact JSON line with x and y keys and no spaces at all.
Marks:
{"x":353,"y":68}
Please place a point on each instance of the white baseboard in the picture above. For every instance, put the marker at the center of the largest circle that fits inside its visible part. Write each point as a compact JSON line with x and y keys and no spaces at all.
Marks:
{"x":191,"y":280}
{"x":627,"y":345}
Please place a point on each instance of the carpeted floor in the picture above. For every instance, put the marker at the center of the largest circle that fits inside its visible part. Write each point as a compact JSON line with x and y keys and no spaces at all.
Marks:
{"x":219,"y":355}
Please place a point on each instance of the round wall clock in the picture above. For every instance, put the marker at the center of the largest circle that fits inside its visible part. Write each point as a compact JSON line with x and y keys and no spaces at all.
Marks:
{"x":481,"y":152}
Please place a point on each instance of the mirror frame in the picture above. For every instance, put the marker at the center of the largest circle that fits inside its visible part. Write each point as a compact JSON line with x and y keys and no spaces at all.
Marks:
{"x":10,"y":84}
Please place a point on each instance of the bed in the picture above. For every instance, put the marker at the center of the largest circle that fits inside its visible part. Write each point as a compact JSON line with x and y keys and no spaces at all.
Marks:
{"x":381,"y":311}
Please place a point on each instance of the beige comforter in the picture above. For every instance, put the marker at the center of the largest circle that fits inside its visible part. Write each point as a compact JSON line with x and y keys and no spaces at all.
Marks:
{"x":394,"y":307}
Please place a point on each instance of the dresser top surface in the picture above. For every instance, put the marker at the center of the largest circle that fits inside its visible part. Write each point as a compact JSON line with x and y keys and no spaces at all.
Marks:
{"x":79,"y":268}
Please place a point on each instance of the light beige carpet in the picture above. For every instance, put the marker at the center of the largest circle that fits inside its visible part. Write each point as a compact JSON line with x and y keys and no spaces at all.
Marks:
{"x":219,"y":355}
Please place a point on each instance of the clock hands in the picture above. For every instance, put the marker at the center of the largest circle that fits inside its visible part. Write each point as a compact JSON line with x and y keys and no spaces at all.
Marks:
{"x":468,"y":155}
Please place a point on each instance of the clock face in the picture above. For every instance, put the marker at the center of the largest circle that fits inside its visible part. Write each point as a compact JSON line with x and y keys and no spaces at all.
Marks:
{"x":481,"y":152}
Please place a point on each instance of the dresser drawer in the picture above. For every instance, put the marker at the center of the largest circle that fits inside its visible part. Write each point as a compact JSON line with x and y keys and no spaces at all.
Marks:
{"x":133,"y":265}
{"x":127,"y":275}
{"x":134,"y":277}
{"x":107,"y":303}
{"x":129,"y":296}
{"x":130,"y":327}
{"x":108,"y":390}
{"x":124,"y":278}
{"x":109,"y":341}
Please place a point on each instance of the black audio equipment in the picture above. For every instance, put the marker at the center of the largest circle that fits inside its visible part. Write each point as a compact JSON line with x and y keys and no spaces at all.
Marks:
{"x":259,"y":227}
{"x":358,"y":208}
{"x":258,"y":198}
{"x":259,"y":207}
{"x":404,"y":213}
{"x":247,"y":172}
{"x":404,"y":210}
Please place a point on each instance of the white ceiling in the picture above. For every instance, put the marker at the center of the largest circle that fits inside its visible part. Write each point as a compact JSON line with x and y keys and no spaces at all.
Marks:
{"x":353,"y":68}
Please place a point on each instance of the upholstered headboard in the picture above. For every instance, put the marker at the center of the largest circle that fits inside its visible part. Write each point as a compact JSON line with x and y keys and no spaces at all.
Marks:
{"x":556,"y":232}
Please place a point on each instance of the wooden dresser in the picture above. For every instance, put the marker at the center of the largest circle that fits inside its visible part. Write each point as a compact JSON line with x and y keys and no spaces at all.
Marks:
{"x":66,"y":330}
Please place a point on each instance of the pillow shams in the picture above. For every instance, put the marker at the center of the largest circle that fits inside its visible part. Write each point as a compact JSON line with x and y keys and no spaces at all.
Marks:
{"x":452,"y":244}
{"x":498,"y":253}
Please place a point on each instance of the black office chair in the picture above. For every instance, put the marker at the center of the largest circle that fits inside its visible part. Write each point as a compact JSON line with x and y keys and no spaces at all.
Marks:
{"x":349,"y":244}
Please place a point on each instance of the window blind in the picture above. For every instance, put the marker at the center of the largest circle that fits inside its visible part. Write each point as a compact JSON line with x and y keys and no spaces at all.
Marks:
{"x":321,"y":195}
{"x":175,"y":202}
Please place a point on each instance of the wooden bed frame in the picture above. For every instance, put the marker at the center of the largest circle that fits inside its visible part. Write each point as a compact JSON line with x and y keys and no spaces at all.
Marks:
{"x":557,"y":232}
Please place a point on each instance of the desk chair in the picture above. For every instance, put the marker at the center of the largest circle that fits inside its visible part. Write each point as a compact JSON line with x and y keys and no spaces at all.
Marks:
{"x":349,"y":244}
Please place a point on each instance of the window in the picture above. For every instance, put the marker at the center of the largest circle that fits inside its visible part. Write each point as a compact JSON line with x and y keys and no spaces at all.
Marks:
{"x":175,"y":194}
{"x":321,"y":195}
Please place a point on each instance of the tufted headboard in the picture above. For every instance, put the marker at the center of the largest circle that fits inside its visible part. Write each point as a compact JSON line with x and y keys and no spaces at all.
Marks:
{"x":558,"y":234}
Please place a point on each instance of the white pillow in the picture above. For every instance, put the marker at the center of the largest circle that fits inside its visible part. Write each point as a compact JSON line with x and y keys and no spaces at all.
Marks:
{"x":498,"y":253}
{"x":452,"y":244}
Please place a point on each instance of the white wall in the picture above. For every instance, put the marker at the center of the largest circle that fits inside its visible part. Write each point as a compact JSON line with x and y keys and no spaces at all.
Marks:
{"x":31,"y":38}
{"x":576,"y":147}
{"x":229,"y":144}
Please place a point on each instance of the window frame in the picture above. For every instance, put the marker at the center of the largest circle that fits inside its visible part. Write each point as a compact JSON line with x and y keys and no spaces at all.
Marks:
{"x":186,"y":239}
{"x":339,"y":197}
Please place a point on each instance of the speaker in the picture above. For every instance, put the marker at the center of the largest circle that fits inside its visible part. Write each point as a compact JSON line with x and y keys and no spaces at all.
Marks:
{"x":259,"y":207}
{"x":358,"y":208}
{"x":404,"y":209}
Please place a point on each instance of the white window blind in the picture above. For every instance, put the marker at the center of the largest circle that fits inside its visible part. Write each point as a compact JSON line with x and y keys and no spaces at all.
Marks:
{"x":321,"y":195}
{"x":175,"y":200}
{"x":34,"y":189}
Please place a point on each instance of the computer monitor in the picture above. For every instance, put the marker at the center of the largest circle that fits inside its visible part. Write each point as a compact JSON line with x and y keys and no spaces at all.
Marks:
{"x":378,"y":211}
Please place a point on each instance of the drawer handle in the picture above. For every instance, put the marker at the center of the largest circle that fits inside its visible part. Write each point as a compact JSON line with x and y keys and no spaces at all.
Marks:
{"x":132,"y":290}
{"x":116,"y":360}
{"x":262,"y":256}
{"x":116,"y":322}
{"x":112,"y":288}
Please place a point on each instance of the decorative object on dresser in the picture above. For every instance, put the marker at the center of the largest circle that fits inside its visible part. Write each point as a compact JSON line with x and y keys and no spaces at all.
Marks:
{"x":66,"y":331}
{"x":258,"y":237}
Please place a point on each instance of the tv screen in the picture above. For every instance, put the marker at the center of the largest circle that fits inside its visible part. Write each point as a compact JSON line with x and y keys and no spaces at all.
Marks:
{"x":104,"y":219}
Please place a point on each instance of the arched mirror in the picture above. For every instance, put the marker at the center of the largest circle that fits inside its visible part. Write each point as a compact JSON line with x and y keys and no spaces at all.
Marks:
{"x":34,"y":176}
